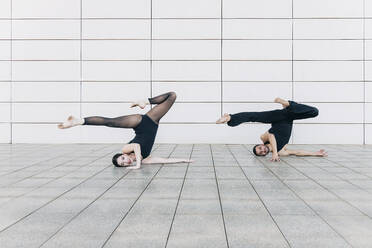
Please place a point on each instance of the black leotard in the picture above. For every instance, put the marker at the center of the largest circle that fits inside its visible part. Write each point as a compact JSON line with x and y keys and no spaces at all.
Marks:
{"x":145,"y":135}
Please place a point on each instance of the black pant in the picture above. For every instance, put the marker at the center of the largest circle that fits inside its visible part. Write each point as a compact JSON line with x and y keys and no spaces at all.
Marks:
{"x":294,"y":111}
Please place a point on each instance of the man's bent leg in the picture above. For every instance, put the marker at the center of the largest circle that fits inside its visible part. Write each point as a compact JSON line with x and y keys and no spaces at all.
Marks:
{"x":299,"y":111}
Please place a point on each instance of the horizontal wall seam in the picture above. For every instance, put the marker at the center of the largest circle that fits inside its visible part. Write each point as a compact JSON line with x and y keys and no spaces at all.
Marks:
{"x":175,"y":81}
{"x":185,"y":18}
{"x":255,"y":123}
{"x":185,"y":60}
{"x":184,"y":39}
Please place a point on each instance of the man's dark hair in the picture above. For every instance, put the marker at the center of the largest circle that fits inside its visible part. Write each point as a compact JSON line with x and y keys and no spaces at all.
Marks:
{"x":254,"y":150}
{"x":115,"y":159}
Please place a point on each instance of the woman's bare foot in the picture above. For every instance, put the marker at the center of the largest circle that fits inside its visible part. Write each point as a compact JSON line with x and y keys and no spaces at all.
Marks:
{"x":225,"y":118}
{"x":141,"y":104}
{"x":322,"y":153}
{"x":283,"y":102}
{"x":71,"y":122}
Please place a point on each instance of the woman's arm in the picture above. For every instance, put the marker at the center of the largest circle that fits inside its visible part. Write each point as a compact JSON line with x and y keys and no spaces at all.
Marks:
{"x":155,"y":160}
{"x":136,"y":148}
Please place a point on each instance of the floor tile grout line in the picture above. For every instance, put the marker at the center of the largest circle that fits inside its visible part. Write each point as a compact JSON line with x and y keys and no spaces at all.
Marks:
{"x":219,"y":197}
{"x":259,"y":197}
{"x":45,"y":184}
{"x":41,"y":171}
{"x":304,"y":201}
{"x":36,"y":163}
{"x":131,"y":207}
{"x":82,"y":210}
{"x":179,"y":197}
{"x":43,"y":161}
{"x":330,"y":191}
{"x":45,"y":204}
{"x":38,"y":172}
{"x":343,"y":179}
{"x":311,"y":179}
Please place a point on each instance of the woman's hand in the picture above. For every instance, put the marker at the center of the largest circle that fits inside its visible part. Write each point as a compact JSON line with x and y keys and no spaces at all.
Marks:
{"x":322,"y":153}
{"x":188,"y":161}
{"x":133,"y":167}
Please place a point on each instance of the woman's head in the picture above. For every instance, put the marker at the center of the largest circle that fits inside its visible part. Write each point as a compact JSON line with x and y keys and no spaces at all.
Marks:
{"x":261,"y":150}
{"x":120,"y":160}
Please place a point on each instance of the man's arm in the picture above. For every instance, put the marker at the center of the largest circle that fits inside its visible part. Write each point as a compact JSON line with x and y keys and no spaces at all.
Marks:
{"x":155,"y":160}
{"x":272,"y":141}
{"x":265,"y":137}
{"x":303,"y":153}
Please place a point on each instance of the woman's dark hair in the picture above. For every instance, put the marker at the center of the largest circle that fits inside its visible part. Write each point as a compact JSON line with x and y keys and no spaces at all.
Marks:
{"x":115,"y":159}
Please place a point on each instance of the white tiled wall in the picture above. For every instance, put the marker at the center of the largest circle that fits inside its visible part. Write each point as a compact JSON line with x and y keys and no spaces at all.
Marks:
{"x":92,"y":57}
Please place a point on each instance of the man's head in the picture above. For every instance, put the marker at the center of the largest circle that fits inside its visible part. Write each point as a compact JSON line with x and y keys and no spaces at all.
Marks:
{"x":261,"y":150}
{"x":120,"y":160}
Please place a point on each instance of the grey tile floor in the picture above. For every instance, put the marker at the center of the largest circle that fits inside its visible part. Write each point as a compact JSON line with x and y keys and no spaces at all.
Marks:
{"x":71,"y":196}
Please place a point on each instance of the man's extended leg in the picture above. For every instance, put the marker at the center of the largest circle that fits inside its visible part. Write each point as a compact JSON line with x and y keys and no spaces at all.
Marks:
{"x":263,"y":117}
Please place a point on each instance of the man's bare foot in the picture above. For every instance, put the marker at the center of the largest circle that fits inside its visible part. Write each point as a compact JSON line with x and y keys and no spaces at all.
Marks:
{"x":71,"y":122}
{"x":283,"y":102}
{"x":225,"y":118}
{"x":322,"y":153}
{"x":141,"y":104}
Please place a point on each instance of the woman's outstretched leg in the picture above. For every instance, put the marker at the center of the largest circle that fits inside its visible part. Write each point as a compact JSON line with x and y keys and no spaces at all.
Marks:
{"x":164,"y":103}
{"x":127,"y":121}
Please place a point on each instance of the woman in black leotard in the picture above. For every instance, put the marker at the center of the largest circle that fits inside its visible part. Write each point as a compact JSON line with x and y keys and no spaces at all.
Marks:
{"x":145,"y":127}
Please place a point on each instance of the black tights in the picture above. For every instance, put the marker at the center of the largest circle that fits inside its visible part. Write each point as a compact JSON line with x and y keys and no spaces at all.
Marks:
{"x":164,"y":103}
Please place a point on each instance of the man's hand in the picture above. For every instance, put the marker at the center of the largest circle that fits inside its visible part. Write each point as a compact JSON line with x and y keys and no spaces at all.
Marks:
{"x":275,"y":157}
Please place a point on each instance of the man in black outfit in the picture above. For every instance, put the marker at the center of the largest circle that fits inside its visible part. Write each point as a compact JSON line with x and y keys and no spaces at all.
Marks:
{"x":275,"y":140}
